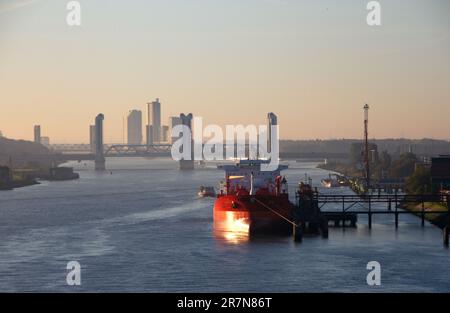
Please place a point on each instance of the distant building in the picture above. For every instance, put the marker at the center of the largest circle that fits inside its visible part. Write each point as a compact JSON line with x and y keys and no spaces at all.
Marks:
{"x":173,"y":121}
{"x":165,"y":133}
{"x":134,"y":127}
{"x":373,"y":154}
{"x":357,"y":153}
{"x":5,"y":177}
{"x":149,"y":132}
{"x":440,"y":173}
{"x":45,"y":141}
{"x":92,"y":137}
{"x":154,"y":119}
{"x":1,"y":134}
{"x":37,"y":134}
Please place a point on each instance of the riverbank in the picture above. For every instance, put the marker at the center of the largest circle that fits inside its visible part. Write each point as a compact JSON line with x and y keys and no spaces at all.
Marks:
{"x":29,"y":177}
{"x":19,"y":184}
{"x":340,"y":168}
{"x":439,"y":219}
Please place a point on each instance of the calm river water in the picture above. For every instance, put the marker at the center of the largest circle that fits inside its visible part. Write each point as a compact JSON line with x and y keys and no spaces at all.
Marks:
{"x":140,"y":227}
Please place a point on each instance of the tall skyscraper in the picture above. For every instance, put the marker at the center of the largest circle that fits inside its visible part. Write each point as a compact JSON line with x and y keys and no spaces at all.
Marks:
{"x":149,"y":132}
{"x":134,"y":127}
{"x":154,"y":119}
{"x":37,"y":133}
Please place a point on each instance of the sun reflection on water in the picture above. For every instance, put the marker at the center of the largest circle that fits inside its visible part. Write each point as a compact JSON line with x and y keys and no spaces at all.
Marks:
{"x":232,"y":228}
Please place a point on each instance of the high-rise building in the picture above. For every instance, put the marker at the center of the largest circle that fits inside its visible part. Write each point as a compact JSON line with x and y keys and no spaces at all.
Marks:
{"x":173,"y":121}
{"x":165,"y":133}
{"x":37,"y":134}
{"x":149,"y":132}
{"x":45,"y":141}
{"x":134,"y":127}
{"x":154,"y":119}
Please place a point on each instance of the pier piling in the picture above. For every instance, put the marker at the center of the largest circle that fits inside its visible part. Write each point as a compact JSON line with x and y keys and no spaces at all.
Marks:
{"x":297,"y":232}
{"x":423,"y":214}
{"x":446,"y":235}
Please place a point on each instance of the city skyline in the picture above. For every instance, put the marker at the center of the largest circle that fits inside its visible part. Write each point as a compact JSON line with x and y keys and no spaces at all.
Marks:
{"x":230,"y":62}
{"x":125,"y":139}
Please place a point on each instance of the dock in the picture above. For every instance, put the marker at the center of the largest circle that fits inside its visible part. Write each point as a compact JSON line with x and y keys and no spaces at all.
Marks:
{"x":310,"y":204}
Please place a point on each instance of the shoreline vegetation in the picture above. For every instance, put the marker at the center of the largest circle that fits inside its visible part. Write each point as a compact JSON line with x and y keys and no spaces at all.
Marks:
{"x":30,"y":178}
{"x":23,"y":163}
{"x":439,"y":220}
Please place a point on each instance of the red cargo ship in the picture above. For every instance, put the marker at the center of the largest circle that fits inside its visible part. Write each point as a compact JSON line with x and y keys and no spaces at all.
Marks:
{"x":252,"y":201}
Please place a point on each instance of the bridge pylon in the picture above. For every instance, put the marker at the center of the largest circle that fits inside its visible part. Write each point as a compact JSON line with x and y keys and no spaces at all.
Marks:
{"x":187,"y":164}
{"x":99,"y":153}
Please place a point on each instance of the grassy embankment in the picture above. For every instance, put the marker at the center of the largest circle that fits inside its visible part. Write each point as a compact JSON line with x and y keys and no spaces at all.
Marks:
{"x":438,"y":219}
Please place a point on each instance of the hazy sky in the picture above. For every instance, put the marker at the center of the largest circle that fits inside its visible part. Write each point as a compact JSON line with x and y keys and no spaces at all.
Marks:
{"x":314,"y":63}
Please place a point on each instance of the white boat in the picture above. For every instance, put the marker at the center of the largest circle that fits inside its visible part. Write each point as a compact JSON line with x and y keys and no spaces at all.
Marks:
{"x":206,"y":191}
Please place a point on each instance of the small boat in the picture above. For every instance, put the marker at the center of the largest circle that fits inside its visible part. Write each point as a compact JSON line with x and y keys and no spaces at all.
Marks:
{"x":206,"y":191}
{"x":332,"y":182}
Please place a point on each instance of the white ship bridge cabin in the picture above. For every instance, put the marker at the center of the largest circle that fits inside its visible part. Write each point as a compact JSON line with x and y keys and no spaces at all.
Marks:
{"x":246,"y":178}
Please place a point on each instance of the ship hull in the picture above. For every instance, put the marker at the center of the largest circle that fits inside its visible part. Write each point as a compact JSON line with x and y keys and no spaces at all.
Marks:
{"x":251,"y":214}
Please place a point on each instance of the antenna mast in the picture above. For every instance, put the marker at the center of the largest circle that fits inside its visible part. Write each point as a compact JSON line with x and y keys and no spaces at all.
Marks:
{"x":366,"y":144}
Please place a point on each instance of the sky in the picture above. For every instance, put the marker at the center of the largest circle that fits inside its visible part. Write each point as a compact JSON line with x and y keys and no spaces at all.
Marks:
{"x":313,"y":63}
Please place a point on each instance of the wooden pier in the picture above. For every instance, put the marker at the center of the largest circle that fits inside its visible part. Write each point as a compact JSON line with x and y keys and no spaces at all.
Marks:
{"x":311,"y":205}
{"x":309,"y":209}
{"x":392,"y":202}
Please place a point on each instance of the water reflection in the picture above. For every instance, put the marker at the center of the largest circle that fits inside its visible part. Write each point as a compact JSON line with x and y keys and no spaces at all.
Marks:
{"x":232,"y":227}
